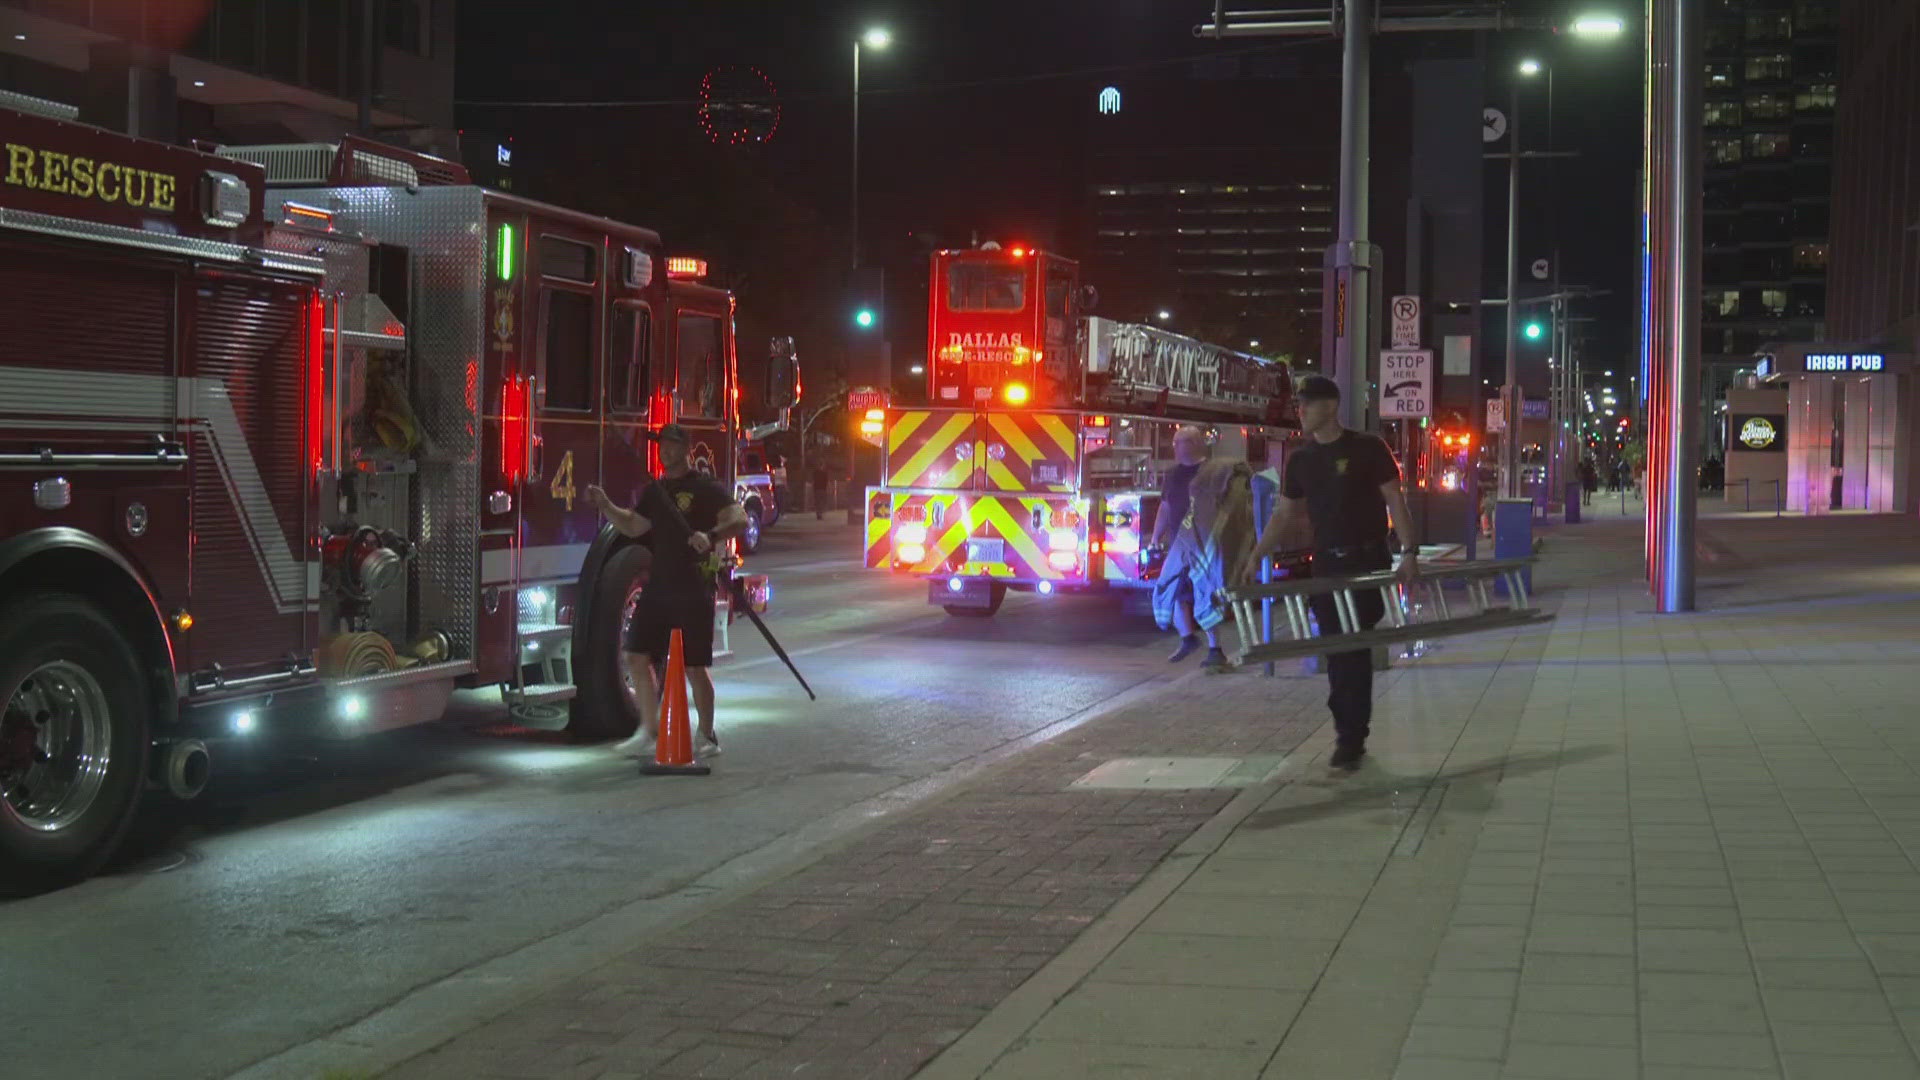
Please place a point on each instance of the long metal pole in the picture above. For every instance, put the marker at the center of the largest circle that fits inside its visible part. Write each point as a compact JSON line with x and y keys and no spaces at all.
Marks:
{"x":1510,"y":439}
{"x":1356,"y":76}
{"x":853,"y":209}
{"x":1680,"y":422}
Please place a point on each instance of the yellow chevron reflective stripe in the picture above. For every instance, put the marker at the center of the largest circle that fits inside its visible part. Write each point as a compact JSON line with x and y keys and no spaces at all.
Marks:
{"x":1061,"y":433}
{"x":1015,"y":534}
{"x":938,"y":444}
{"x":904,"y":426}
{"x":1008,"y":428}
{"x":1002,"y":477}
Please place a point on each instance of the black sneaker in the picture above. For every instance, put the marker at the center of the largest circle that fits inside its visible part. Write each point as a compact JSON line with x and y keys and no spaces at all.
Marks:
{"x":1187,"y":646}
{"x":1216,"y":660}
{"x":1347,"y":758}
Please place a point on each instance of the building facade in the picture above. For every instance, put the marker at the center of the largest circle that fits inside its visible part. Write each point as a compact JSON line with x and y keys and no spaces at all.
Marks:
{"x":1772,"y":85}
{"x":241,"y":71}
{"x":1874,"y":293}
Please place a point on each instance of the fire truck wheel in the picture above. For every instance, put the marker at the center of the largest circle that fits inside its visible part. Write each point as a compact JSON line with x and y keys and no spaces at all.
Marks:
{"x":995,"y":598}
{"x":750,"y":540}
{"x":606,"y":706}
{"x":73,"y":740}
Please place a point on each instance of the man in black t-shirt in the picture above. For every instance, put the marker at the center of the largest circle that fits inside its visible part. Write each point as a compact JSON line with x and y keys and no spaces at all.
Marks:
{"x":679,"y":594}
{"x":1347,"y":482}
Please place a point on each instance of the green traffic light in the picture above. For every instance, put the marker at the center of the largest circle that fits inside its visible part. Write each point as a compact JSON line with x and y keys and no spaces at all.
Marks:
{"x":1534,"y":331}
{"x":864,"y":318}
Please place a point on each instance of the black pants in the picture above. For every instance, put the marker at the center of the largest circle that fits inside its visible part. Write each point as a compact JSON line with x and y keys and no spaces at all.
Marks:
{"x":1350,"y":674}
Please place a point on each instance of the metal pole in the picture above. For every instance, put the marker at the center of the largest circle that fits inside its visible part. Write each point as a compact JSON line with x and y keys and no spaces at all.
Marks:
{"x":1510,"y":439}
{"x":853,"y":200}
{"x":1356,"y":76}
{"x":1679,"y":421}
{"x":367,"y":9}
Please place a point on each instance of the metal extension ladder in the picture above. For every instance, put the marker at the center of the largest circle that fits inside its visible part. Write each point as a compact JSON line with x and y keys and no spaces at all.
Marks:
{"x":1414,"y":612}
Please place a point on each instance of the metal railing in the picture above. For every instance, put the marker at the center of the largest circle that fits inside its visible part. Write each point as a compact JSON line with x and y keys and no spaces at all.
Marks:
{"x":1746,"y":491}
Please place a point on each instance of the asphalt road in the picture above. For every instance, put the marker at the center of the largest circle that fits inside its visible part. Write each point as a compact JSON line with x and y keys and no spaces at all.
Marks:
{"x":313,"y":887}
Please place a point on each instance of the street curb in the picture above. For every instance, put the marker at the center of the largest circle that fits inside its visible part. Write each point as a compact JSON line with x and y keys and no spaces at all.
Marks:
{"x":976,"y":1051}
{"x":435,"y":1013}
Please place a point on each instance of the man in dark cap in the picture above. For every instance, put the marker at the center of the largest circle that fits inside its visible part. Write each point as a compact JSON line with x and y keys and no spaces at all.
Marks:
{"x":679,"y":594}
{"x":1347,"y":483}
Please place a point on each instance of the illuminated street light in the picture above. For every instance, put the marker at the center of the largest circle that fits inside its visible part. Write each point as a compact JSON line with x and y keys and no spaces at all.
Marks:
{"x":1165,"y":314}
{"x":1529,"y":67}
{"x":879,"y":38}
{"x":1598,"y":27}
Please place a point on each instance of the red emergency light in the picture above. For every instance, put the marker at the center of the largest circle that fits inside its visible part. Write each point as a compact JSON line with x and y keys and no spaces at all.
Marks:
{"x":686,"y":267}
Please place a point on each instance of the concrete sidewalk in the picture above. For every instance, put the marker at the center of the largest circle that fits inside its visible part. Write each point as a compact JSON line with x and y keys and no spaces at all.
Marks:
{"x":1617,"y":846}
{"x":1628,"y":846}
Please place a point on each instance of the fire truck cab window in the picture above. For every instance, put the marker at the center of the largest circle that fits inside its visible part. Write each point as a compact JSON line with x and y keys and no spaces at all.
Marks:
{"x":566,"y":358}
{"x":986,"y":287}
{"x":628,"y":348}
{"x":699,"y":355}
{"x":1057,"y":298}
{"x":566,"y":259}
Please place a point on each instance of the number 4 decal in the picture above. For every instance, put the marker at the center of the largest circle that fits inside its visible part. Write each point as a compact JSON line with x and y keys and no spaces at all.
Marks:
{"x":562,"y":486}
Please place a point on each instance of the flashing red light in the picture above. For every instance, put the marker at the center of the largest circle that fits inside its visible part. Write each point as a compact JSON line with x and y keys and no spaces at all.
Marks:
{"x":686,"y":267}
{"x":316,"y":380}
{"x":1099,"y":421}
{"x":1016,"y":393}
{"x":516,"y":427}
{"x":1019,"y":253}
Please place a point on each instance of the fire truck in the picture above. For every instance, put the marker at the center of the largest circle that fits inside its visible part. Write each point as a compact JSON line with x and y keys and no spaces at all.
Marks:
{"x":295,"y":441}
{"x":1037,"y":464}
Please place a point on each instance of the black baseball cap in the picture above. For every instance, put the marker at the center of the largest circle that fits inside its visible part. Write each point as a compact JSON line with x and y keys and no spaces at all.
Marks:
{"x":1318,"y":388}
{"x":672,"y":433}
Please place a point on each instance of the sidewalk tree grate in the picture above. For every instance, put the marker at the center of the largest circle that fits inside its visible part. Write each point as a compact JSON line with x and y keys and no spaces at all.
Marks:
{"x":1181,"y":773}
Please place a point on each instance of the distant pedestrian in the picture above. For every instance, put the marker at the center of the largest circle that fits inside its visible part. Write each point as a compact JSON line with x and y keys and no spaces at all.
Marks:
{"x":1589,"y":481}
{"x":1348,"y":485}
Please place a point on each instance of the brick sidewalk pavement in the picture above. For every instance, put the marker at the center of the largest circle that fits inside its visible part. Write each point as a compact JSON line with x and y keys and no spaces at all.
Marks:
{"x":869,"y":961}
{"x":1638,"y":848}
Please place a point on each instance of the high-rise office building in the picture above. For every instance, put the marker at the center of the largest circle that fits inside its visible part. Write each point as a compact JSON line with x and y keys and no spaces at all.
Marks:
{"x":1772,"y":81}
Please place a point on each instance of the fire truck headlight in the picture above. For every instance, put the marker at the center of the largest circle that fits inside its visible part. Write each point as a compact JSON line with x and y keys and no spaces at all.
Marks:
{"x":1046,"y":588}
{"x":353,"y":707}
{"x":910,"y":533}
{"x":244,"y":722}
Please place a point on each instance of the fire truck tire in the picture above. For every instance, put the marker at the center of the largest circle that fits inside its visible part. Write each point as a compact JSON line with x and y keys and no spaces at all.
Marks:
{"x":750,"y":540}
{"x":74,"y":731}
{"x":604,"y":706}
{"x":996,"y":597}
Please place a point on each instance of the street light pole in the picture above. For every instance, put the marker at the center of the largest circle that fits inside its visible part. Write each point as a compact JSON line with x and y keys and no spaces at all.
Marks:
{"x":1510,"y":439}
{"x":853,"y":200}
{"x":1353,"y":260}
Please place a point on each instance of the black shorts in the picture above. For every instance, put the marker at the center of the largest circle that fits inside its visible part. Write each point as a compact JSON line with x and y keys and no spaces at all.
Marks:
{"x":656,"y":617}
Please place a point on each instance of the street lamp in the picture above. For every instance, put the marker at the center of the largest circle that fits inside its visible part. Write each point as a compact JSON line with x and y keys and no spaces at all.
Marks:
{"x":1165,"y":315}
{"x":1510,"y":444}
{"x":1596,"y":27}
{"x":875,"y":38}
{"x":1529,"y":67}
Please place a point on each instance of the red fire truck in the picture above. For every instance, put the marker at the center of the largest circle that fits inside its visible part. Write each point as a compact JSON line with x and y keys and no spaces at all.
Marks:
{"x":297,"y":440}
{"x":1038,"y":463}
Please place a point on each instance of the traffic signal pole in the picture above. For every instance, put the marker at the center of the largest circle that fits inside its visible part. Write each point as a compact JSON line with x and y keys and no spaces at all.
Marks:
{"x":1510,"y":390}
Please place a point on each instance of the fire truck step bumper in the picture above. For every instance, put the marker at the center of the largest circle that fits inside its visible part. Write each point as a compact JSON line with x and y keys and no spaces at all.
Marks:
{"x":541,"y":693}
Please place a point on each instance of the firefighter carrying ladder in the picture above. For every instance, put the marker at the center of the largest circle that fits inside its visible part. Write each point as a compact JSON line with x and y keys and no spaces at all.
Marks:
{"x":1495,"y":597}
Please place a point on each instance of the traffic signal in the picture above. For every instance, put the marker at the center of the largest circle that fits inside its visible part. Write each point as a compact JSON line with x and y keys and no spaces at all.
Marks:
{"x":866,"y":338}
{"x":1533,"y":330}
{"x":864,"y":318}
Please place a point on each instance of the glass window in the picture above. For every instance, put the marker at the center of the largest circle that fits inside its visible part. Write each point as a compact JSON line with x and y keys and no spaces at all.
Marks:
{"x":1723,"y":114}
{"x":1729,"y":302}
{"x":700,"y":362}
{"x":1720,"y":74}
{"x":1818,"y":98}
{"x":986,"y":287}
{"x":1771,"y":67}
{"x":1769,"y":144}
{"x":1809,"y":256}
{"x":566,"y":259}
{"x":1774,"y":302}
{"x":1768,"y":106}
{"x":566,"y":358}
{"x":1769,"y":28}
{"x":629,"y":356}
{"x":1057,"y":298}
{"x":1724,"y":151}
{"x":1809,"y":302}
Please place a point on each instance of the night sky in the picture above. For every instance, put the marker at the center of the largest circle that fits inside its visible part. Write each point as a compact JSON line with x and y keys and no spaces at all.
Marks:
{"x":963,"y":123}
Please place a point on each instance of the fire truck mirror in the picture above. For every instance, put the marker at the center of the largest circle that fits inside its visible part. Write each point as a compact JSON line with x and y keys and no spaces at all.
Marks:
{"x":782,"y":376}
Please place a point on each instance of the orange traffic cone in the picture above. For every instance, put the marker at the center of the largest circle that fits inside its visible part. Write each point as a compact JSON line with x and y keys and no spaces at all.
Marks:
{"x":673,"y":753}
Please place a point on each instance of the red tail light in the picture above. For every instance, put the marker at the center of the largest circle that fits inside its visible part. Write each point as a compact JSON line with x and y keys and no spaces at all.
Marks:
{"x":516,"y":423}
